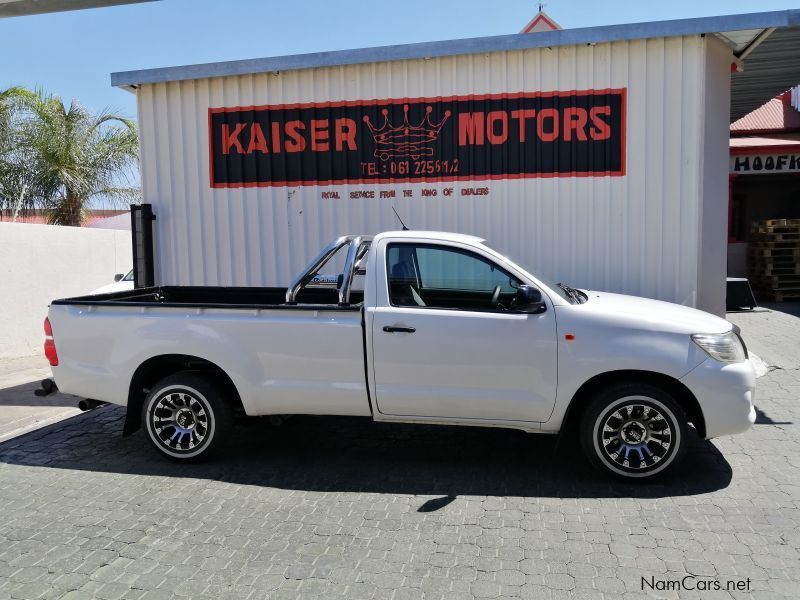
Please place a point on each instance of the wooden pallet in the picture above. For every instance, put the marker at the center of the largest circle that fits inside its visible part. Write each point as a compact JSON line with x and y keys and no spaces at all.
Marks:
{"x":779,"y":223}
{"x":773,"y":259}
{"x":776,"y":282}
{"x":759,"y":269}
{"x":768,"y":229}
{"x":761,"y":260}
{"x":773,"y":244}
{"x":784,"y":253}
{"x":778,"y":236}
{"x":777,"y":295}
{"x":782,"y":262}
{"x":787,"y":257}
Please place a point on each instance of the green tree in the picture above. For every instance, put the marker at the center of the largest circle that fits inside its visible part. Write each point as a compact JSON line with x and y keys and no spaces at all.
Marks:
{"x":71,"y":158}
{"x":16,"y":185}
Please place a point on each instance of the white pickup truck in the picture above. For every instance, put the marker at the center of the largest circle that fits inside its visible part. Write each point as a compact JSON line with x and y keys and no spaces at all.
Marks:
{"x":410,"y":326}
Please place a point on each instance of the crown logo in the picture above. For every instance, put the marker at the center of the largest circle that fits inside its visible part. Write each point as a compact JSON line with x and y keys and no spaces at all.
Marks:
{"x":405,"y":139}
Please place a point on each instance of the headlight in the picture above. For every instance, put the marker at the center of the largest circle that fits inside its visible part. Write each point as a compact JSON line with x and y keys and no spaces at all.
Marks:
{"x":724,"y":347}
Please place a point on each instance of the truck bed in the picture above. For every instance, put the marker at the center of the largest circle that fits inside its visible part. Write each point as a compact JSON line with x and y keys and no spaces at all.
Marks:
{"x":305,"y":358}
{"x":218,"y":297}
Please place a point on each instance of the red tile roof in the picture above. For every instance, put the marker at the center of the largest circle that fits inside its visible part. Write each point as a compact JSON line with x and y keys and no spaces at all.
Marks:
{"x":541,"y":22}
{"x":40,"y":217}
{"x":776,"y":115}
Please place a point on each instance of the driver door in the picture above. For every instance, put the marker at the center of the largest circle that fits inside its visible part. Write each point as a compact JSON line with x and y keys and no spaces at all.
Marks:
{"x":445,"y":344}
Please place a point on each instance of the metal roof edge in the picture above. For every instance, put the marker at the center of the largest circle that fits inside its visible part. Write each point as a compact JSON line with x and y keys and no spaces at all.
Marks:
{"x":516,"y":41}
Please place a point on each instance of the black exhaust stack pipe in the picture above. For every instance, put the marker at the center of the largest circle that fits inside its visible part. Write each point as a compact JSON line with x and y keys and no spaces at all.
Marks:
{"x":88,"y":404}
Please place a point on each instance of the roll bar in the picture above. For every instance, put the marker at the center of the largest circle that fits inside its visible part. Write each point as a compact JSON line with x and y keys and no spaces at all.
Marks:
{"x":357,"y":248}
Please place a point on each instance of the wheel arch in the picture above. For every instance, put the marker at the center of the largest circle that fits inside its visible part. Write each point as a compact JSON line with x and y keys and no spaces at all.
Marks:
{"x":682,"y":394}
{"x":156,"y":368}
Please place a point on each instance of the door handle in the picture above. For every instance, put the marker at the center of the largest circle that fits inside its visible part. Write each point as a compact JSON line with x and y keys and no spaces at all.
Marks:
{"x":394,"y":329}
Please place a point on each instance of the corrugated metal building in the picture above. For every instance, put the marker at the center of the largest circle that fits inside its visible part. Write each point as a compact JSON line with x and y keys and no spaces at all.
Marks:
{"x":593,"y":156}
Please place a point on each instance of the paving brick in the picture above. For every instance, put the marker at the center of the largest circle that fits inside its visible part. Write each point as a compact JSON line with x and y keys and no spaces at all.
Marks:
{"x":330,"y":508}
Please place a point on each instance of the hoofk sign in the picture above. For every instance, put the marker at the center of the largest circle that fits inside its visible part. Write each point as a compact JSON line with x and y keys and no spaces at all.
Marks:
{"x":497,"y":136}
{"x":761,"y":164}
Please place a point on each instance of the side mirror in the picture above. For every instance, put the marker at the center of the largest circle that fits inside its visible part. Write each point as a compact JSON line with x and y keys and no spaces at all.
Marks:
{"x":119,"y":276}
{"x":528,"y":300}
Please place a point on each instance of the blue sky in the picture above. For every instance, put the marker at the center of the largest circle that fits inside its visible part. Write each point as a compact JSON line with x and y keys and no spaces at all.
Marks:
{"x":72,"y":54}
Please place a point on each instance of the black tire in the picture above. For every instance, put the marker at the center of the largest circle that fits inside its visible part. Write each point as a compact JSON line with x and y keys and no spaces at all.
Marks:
{"x":186,"y":417}
{"x":634,"y":431}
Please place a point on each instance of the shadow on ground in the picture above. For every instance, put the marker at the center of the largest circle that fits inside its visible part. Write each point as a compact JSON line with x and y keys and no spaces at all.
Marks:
{"x":763,"y":418}
{"x":790,"y":307}
{"x":342,"y":454}
{"x":23,"y":395}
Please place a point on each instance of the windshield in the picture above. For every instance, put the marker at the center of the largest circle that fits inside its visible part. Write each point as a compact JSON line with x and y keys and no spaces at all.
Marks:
{"x":129,"y":276}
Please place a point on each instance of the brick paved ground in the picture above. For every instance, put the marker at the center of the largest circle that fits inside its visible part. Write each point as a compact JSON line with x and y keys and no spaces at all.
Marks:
{"x":20,"y":410}
{"x":343,"y":508}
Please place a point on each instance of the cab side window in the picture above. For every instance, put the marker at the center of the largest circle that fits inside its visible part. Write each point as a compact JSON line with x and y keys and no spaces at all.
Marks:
{"x":433,"y":276}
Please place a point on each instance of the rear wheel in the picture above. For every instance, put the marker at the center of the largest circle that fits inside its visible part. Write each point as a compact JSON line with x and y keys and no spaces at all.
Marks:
{"x":634,"y":431}
{"x":186,"y":416}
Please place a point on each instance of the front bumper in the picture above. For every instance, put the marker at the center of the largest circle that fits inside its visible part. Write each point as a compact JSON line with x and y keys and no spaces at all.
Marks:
{"x":725,"y":392}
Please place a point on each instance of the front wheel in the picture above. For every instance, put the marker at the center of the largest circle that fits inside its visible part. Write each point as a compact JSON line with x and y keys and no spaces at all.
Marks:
{"x":634,"y":431}
{"x":186,"y":416}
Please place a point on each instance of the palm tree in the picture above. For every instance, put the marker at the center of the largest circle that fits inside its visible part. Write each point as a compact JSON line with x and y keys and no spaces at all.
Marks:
{"x":15,"y":175}
{"x":74,"y":158}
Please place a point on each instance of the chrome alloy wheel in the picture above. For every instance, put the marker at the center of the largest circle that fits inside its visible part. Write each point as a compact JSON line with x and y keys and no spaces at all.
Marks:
{"x":636,"y":436}
{"x":179,"y":421}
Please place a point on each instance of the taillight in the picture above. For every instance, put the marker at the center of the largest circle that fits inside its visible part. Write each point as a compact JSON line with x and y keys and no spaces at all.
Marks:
{"x":50,"y":344}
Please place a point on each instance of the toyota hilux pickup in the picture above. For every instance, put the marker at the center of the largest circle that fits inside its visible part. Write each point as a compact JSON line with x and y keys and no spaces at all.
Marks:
{"x":412,"y":327}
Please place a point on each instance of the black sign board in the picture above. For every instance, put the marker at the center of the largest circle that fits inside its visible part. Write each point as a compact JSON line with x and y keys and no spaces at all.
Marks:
{"x":499,"y":136}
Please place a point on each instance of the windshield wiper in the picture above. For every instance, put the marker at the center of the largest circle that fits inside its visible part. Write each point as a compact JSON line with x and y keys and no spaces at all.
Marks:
{"x":571,"y":292}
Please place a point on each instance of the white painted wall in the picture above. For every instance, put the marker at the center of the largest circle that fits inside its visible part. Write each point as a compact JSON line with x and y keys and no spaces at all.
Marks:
{"x":39,"y":263}
{"x":638,"y":234}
